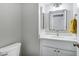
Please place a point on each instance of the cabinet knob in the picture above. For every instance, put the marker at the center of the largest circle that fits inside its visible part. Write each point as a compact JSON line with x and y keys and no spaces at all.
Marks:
{"x":76,"y":45}
{"x":54,"y":50}
{"x":58,"y":51}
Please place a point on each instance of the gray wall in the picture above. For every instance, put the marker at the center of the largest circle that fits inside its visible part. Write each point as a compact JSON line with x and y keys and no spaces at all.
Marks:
{"x":19,"y":22}
{"x":30,"y":39}
{"x":10,"y":23}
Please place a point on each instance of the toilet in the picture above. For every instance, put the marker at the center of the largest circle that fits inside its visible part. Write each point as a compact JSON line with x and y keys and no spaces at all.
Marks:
{"x":11,"y":50}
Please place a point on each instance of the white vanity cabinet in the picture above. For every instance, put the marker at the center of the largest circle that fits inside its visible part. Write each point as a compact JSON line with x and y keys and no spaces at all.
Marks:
{"x":56,"y":48}
{"x":49,"y":51}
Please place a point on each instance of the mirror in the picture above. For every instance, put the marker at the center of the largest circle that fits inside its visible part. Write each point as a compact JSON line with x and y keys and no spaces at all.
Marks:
{"x":57,"y":20}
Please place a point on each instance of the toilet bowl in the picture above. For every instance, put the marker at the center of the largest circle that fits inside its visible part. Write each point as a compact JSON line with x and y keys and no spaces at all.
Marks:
{"x":11,"y":50}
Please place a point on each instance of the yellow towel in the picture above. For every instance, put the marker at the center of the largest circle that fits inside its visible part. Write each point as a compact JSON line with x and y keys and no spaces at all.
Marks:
{"x":73,"y":26}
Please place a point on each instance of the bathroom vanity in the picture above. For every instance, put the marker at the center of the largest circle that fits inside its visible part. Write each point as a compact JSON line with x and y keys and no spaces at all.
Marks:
{"x":55,"y":40}
{"x":57,"y":48}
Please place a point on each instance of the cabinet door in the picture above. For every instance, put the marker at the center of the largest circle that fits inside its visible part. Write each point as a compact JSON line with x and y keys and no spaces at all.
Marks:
{"x":47,"y":51}
{"x":66,"y":53}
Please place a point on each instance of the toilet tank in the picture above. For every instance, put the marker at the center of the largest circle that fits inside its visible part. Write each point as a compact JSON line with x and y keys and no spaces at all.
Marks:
{"x":11,"y":50}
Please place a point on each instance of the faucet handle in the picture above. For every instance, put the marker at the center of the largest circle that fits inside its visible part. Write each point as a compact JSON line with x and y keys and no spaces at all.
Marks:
{"x":76,"y":45}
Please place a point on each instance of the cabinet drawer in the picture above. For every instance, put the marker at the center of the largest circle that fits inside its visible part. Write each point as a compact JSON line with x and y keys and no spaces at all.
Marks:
{"x":46,"y":51}
{"x":66,"y":53}
{"x":58,"y":44}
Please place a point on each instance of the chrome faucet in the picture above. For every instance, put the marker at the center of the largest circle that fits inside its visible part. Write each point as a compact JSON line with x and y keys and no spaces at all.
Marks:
{"x":57,"y":33}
